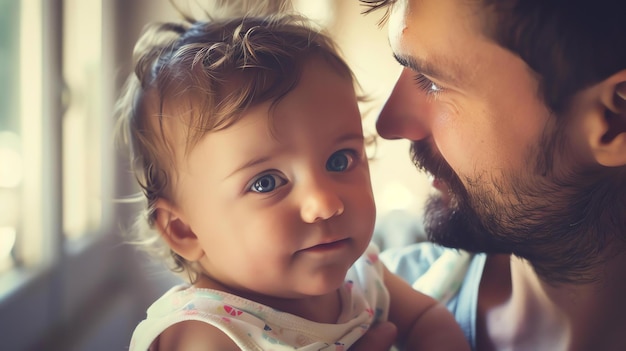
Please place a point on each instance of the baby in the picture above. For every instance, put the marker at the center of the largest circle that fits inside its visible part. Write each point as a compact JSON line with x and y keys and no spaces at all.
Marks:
{"x":246,"y":138}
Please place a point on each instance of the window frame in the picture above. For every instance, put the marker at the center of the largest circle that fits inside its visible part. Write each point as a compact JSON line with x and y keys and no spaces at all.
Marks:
{"x":63,"y":300}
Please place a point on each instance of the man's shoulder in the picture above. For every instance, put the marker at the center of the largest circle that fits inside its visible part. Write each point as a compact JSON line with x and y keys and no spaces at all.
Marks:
{"x":412,"y":261}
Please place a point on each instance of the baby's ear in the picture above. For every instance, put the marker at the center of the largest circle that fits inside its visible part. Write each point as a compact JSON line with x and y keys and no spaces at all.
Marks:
{"x":176,"y":232}
{"x":609,"y":131}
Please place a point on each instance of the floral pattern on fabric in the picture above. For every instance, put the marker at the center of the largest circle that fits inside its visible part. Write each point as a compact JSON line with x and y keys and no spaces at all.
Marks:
{"x":254,"y":326}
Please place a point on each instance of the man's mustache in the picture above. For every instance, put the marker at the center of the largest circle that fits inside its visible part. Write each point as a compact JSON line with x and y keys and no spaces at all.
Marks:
{"x":426,"y":159}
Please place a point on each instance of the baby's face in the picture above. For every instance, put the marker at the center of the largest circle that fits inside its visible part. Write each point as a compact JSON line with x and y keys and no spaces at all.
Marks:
{"x":282,"y":206}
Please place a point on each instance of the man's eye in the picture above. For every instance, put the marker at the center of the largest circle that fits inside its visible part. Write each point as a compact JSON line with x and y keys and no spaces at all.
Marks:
{"x":426,"y":84}
{"x":266,"y":183}
{"x":340,"y":161}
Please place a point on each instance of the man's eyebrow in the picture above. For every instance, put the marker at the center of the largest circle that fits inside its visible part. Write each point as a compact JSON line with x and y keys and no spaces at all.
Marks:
{"x":428,"y":69}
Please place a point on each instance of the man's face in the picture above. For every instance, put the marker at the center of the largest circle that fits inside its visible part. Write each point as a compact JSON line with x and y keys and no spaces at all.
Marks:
{"x":479,"y":126}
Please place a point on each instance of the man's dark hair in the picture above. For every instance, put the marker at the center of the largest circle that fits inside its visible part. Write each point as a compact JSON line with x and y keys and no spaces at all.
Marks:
{"x":570,"y":44}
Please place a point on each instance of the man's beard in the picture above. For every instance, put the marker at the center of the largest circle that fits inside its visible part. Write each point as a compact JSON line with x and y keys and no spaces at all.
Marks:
{"x":555,"y":220}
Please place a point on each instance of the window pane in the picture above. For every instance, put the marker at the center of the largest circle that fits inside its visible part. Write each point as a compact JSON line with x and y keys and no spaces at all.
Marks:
{"x":20,"y":133}
{"x":10,"y":141}
{"x":83,"y":120}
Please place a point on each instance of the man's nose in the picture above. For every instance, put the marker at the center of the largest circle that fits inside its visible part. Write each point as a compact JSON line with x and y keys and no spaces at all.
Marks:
{"x":403,"y":115}
{"x":320,"y":202}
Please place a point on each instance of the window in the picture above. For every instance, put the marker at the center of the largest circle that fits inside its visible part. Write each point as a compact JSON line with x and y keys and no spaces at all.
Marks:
{"x":57,"y":247}
{"x":83,"y":121}
{"x":19,"y":130}
{"x":52,"y":127}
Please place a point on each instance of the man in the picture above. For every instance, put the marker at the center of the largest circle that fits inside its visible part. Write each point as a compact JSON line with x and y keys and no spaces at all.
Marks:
{"x":518,"y":110}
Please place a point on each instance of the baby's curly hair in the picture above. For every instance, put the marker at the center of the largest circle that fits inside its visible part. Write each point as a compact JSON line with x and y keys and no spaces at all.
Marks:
{"x":205,"y":74}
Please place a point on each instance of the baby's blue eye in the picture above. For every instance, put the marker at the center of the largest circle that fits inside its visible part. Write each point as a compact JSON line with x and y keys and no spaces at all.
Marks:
{"x":266,"y":183}
{"x":339,"y":161}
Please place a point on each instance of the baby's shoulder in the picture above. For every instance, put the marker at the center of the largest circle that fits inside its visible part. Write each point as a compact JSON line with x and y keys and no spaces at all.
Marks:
{"x":194,"y":335}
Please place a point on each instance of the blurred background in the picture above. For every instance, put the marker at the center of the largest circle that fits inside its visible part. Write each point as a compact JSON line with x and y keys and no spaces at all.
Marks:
{"x":67,"y":279}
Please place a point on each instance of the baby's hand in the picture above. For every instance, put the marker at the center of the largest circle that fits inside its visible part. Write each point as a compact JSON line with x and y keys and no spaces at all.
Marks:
{"x":379,"y":338}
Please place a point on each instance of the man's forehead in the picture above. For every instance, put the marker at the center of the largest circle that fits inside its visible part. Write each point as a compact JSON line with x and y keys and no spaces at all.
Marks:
{"x":397,"y":21}
{"x":434,"y":37}
{"x":468,"y":14}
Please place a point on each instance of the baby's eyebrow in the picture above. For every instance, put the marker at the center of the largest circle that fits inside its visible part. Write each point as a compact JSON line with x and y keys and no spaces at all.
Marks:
{"x":350,"y":136}
{"x":249,"y":163}
{"x":265,"y":158}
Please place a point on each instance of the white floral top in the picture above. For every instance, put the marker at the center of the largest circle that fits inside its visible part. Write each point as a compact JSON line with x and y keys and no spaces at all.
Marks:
{"x":253,"y":326}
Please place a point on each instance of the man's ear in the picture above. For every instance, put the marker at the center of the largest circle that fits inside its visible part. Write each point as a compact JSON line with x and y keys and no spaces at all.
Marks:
{"x":608,"y":130}
{"x":176,"y":231}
